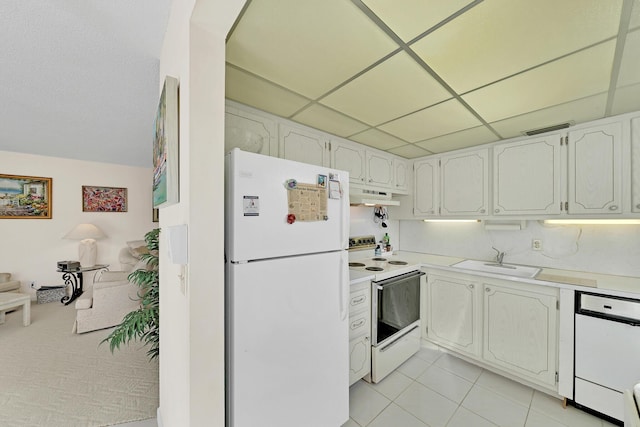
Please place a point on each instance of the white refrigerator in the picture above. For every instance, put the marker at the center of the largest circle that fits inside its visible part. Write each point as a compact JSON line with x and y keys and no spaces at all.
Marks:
{"x":287,"y":288}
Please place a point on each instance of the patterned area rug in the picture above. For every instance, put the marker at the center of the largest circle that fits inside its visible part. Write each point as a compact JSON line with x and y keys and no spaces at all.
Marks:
{"x":51,"y":377}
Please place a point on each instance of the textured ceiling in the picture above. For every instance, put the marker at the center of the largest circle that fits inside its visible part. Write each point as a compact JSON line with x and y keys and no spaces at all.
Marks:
{"x":416,"y":77}
{"x":80,"y":78}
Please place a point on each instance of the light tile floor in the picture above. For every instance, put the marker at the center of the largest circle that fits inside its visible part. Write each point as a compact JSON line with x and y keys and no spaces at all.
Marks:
{"x":436,"y":389}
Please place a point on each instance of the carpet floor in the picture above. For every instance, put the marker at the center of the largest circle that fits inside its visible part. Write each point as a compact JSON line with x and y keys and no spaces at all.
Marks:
{"x":51,"y":377}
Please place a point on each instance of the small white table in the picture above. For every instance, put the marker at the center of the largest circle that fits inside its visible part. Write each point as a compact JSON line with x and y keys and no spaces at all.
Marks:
{"x":9,"y":300}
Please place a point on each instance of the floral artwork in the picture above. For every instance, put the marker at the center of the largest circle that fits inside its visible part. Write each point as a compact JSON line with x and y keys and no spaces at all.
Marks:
{"x":104,"y":199}
{"x":25,"y":197}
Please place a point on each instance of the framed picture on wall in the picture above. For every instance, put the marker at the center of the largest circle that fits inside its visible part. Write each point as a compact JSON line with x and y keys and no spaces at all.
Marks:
{"x":104,"y":199}
{"x":25,"y":197}
{"x":165,"y":147}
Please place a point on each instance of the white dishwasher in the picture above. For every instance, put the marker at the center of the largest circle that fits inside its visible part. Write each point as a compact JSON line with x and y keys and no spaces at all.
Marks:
{"x":607,"y":351}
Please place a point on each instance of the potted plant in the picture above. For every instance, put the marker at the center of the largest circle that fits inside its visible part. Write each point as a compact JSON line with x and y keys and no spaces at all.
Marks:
{"x":143,"y":324}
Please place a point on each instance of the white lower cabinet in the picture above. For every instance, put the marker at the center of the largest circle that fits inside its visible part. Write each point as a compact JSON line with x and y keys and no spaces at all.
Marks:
{"x":511,"y":326}
{"x":359,"y":331}
{"x":452,"y":312}
{"x":359,"y":358}
{"x":520,"y":330}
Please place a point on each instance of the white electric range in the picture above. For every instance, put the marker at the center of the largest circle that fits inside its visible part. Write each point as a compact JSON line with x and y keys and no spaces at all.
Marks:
{"x":395,"y":305}
{"x":363,"y":262}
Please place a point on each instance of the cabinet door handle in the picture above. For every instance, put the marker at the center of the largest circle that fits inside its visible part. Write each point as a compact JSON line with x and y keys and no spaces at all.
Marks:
{"x":487,"y":289}
{"x":471,"y":286}
{"x":361,"y":179}
{"x":370,"y":180}
{"x":613,"y":207}
{"x":483,"y":210}
{"x":497,"y":210}
{"x":638,"y":206}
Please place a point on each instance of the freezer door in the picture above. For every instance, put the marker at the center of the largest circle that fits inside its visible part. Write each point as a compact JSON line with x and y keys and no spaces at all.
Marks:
{"x":288,"y":361}
{"x":257,"y":208}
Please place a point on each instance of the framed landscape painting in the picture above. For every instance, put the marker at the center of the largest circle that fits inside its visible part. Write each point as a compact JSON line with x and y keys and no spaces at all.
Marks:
{"x":165,"y":147}
{"x":25,"y":197}
{"x":104,"y":199}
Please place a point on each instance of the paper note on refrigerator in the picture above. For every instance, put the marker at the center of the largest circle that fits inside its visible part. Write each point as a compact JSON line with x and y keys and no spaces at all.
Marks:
{"x":308,"y":202}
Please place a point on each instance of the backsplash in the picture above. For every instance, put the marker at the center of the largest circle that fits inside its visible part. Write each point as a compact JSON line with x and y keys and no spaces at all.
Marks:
{"x":607,"y":249}
{"x":362,"y":224}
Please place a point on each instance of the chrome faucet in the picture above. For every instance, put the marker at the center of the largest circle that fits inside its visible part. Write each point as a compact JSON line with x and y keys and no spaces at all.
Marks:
{"x":499,"y":256}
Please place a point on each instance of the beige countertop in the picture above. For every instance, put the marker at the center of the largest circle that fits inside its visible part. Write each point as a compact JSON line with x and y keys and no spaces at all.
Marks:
{"x":624,"y":286}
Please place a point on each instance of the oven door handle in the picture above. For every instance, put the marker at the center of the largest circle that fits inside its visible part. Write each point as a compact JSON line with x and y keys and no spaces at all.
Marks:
{"x":397,"y":340}
{"x":397,"y":280}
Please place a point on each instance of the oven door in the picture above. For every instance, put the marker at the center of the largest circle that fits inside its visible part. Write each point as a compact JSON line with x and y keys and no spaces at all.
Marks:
{"x":395,"y":305}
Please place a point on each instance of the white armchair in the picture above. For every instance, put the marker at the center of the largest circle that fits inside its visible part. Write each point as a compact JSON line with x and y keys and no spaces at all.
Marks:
{"x":8,"y":285}
{"x":112,"y":296}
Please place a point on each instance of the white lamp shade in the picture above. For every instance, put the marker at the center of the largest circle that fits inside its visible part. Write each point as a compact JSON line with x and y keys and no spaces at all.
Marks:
{"x":85,"y":231}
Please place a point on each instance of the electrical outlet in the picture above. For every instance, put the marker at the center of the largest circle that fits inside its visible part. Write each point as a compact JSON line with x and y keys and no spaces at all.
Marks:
{"x":536,"y":244}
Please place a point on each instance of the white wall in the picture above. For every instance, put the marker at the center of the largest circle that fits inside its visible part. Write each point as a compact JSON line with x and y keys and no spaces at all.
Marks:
{"x":30,"y":248}
{"x":192,"y":322}
{"x":362,"y":224}
{"x":603,"y":249}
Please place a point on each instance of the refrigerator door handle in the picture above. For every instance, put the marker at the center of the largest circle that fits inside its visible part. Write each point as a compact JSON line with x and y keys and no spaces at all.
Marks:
{"x":344,"y":221}
{"x":344,"y":286}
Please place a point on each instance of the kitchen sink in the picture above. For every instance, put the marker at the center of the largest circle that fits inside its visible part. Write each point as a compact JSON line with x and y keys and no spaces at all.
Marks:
{"x":493,"y":267}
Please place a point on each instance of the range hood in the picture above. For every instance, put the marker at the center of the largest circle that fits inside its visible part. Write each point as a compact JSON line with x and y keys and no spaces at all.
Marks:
{"x":359,"y":197}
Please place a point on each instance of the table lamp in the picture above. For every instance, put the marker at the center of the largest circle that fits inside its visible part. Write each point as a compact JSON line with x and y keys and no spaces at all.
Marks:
{"x":88,"y":249}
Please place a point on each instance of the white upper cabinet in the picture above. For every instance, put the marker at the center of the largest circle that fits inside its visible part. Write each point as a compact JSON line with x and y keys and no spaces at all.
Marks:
{"x":368,"y":169}
{"x":379,"y":170}
{"x":249,"y":132}
{"x":635,"y":164}
{"x":426,"y":176}
{"x":464,"y":183}
{"x":595,"y":170}
{"x":401,"y":175}
{"x":303,"y":145}
{"x":350,"y":158}
{"x":527,"y":177}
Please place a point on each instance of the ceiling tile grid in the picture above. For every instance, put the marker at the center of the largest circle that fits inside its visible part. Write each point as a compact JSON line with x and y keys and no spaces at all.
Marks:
{"x":421,"y":76}
{"x":396,"y":87}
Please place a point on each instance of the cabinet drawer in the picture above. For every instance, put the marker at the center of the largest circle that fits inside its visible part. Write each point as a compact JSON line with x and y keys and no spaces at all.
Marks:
{"x":359,"y":301}
{"x":359,"y":324}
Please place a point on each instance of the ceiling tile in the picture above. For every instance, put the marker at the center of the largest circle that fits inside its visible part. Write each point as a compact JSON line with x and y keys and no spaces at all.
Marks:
{"x":392,"y":89}
{"x":256,"y":92}
{"x":573,"y":77}
{"x":377,"y":139}
{"x":410,"y":18}
{"x":409,"y":151}
{"x":635,"y":15}
{"x":499,"y":38}
{"x":630,"y":65}
{"x":309,"y":47}
{"x":463,"y":139}
{"x":578,"y":111}
{"x":328,"y":120}
{"x":626,"y":99}
{"x":444,"y":118}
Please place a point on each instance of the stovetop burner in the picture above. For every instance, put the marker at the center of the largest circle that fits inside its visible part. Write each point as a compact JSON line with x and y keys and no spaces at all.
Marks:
{"x":374,"y":268}
{"x":378,"y":259}
{"x":356,"y":264}
{"x":398,"y":262}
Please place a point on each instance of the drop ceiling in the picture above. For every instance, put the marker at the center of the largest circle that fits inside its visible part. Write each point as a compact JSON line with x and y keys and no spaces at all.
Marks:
{"x":417,"y":77}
